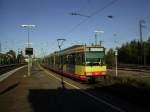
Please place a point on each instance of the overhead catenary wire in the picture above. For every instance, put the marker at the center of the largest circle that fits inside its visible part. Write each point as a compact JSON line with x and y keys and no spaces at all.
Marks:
{"x":101,"y":9}
{"x":92,"y":14}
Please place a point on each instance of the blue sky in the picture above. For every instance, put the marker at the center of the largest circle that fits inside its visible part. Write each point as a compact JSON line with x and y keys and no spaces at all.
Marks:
{"x":53,"y":21}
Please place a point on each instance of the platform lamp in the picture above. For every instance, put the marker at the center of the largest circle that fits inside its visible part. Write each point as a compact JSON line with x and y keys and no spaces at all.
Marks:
{"x":29,"y":50}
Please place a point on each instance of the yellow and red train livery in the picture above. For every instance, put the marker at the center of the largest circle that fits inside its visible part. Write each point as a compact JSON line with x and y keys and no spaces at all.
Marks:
{"x":86,"y":63}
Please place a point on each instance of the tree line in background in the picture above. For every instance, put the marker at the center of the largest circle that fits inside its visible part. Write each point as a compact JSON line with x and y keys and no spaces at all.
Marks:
{"x":134,"y":52}
{"x":10,"y":57}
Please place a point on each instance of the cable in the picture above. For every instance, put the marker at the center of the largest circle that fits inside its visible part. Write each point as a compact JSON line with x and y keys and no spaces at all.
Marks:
{"x":93,"y":14}
{"x":101,"y":9}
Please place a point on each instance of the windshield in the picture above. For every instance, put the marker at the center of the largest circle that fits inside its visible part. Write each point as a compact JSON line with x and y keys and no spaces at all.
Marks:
{"x":94,"y":58}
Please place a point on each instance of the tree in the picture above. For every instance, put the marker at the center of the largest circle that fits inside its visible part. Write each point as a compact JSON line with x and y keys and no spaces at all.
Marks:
{"x":20,"y":57}
{"x":131,"y":53}
{"x":110,"y":58}
{"x":11,"y":56}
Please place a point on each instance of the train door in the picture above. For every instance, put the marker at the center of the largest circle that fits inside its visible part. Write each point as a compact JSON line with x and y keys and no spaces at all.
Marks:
{"x":71,"y":64}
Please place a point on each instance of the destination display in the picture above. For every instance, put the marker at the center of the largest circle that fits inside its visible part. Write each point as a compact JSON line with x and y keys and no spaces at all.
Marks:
{"x":95,"y":49}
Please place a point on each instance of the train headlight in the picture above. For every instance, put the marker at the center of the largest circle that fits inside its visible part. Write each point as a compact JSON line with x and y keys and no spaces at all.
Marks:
{"x":88,"y":73}
{"x":103,"y":73}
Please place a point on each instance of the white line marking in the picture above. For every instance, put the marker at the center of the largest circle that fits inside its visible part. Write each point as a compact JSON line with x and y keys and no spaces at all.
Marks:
{"x":86,"y":93}
{"x":5,"y":75}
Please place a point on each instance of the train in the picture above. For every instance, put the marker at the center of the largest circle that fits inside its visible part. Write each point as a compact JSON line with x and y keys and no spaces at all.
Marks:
{"x":81,"y":62}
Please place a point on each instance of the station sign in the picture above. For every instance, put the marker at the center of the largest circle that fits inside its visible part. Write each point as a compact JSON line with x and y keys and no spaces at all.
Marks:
{"x":29,"y":51}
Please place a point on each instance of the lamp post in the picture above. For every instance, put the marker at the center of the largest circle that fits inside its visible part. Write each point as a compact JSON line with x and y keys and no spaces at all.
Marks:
{"x":116,"y":60}
{"x":96,"y":35}
{"x":0,"y":47}
{"x":116,"y":55}
{"x":60,"y":43}
{"x":28,"y":27}
{"x":142,"y":46}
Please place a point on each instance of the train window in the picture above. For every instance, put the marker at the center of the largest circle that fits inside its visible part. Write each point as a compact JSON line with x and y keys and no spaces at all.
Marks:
{"x":95,"y":62}
{"x":94,"y":54}
{"x":95,"y":58}
{"x":79,"y":58}
{"x":57,"y":59}
{"x":68,"y":59}
{"x":71,"y":59}
{"x":64,"y":59}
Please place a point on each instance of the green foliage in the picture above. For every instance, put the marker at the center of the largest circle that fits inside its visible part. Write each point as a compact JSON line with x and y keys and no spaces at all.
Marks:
{"x":11,"y":58}
{"x":134,"y":52}
{"x":110,"y":58}
{"x":131,"y":53}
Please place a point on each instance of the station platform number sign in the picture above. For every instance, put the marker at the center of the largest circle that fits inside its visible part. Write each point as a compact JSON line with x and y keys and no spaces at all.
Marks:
{"x":29,"y":51}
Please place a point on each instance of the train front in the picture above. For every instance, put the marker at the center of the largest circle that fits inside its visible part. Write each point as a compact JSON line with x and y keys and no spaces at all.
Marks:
{"x":95,"y":67}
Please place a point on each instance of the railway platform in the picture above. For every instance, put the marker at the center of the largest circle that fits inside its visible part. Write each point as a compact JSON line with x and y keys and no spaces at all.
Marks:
{"x":43,"y":92}
{"x":17,"y":89}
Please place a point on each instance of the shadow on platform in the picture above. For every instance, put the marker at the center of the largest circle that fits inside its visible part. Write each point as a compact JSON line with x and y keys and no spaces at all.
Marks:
{"x":72,"y":100}
{"x":60,"y":100}
{"x":9,"y":88}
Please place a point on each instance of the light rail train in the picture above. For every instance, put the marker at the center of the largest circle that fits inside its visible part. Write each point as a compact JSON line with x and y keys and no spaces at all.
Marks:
{"x":82,"y":62}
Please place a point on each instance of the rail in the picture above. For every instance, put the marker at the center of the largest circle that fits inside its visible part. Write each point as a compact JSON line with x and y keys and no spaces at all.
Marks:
{"x":6,"y":68}
{"x":135,"y":68}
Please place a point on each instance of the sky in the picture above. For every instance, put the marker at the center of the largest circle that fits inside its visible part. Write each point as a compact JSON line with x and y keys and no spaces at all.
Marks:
{"x":53,"y":20}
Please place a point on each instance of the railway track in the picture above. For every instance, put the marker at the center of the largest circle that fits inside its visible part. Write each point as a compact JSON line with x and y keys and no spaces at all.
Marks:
{"x":6,"y":68}
{"x":145,"y":69}
{"x":135,"y":70}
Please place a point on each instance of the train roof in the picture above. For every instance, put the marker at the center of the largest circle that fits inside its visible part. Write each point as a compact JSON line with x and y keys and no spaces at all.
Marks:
{"x":79,"y":48}
{"x":75,"y":49}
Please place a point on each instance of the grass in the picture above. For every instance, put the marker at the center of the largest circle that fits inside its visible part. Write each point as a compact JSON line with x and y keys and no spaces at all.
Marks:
{"x":128,"y":81}
{"x":128,"y":88}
